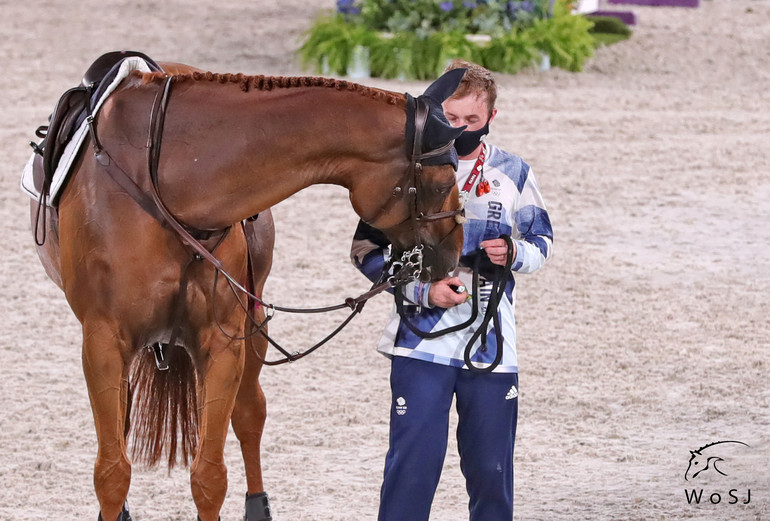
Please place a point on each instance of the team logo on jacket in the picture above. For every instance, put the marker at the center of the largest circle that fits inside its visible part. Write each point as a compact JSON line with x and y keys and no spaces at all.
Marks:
{"x":401,"y":406}
{"x":513,"y":393}
{"x":494,"y":211}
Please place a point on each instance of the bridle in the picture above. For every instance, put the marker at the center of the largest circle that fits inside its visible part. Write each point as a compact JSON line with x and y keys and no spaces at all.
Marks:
{"x":410,"y":266}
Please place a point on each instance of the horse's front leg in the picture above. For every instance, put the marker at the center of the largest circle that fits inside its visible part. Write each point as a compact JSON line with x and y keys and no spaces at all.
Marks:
{"x":222,"y":369}
{"x":105,"y":365}
{"x":248,"y":423}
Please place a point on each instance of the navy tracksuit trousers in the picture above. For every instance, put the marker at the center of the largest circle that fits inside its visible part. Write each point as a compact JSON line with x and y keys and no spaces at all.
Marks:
{"x":487,"y":407}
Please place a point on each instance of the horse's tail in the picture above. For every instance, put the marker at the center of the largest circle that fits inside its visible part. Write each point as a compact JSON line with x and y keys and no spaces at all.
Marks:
{"x":163,"y":406}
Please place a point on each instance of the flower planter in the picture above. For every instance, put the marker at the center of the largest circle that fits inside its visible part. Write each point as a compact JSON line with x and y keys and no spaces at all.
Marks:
{"x":342,"y":45}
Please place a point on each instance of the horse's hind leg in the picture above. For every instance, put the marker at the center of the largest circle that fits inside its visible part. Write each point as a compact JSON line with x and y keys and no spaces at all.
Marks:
{"x":221,"y":376}
{"x":105,"y":369}
{"x":248,"y":423}
{"x":250,"y":408}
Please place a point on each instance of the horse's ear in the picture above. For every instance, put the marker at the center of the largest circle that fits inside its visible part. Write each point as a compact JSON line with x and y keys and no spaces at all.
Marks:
{"x":443,"y":133}
{"x":445,"y":86}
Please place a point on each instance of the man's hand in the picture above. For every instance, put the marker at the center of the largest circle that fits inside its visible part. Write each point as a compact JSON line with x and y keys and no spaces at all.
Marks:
{"x":497,"y":251}
{"x":442,"y":295}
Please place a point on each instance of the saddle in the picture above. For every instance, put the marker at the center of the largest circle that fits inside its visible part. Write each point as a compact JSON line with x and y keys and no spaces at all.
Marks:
{"x":74,"y":106}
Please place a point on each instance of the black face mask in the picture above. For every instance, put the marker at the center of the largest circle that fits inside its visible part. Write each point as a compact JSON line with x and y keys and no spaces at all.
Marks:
{"x":470,"y":140}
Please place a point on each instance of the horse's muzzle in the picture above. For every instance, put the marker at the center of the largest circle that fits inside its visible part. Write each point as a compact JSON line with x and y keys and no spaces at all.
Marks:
{"x":441,"y":259}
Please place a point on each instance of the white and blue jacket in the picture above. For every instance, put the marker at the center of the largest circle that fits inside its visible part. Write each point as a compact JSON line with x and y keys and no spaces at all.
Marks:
{"x":515,"y":207}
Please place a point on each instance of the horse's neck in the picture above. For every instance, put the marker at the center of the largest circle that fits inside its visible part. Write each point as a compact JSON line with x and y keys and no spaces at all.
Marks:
{"x":228,"y":155}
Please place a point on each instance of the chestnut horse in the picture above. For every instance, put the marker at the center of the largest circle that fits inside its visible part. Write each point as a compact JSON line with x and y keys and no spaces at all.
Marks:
{"x":232,"y":146}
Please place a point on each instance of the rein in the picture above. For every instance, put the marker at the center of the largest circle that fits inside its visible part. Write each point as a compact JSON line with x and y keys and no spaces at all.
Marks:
{"x":410,"y":264}
{"x":491,"y":315}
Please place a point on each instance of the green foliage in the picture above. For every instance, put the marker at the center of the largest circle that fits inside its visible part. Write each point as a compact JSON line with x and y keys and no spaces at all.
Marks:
{"x":608,"y":30}
{"x":608,"y":25}
{"x":404,"y":45}
{"x":510,"y":53}
{"x":565,"y":38}
{"x":408,"y":56}
{"x":330,"y":43}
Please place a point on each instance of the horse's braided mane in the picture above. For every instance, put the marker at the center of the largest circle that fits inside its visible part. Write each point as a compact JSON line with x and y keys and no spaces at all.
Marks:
{"x":718,"y":442}
{"x":266,"y":83}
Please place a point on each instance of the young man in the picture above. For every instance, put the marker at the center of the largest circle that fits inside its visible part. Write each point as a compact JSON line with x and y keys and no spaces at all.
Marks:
{"x":502,"y":198}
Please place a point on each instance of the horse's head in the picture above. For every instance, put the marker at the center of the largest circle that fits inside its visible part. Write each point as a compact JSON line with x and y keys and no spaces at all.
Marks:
{"x":432,"y":236}
{"x":423,"y":216}
{"x":700,"y":463}
{"x":701,"y":460}
{"x":695,"y":465}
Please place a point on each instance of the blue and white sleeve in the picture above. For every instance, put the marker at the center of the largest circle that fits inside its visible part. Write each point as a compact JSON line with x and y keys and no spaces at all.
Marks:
{"x":369,"y":251}
{"x":533,"y":233}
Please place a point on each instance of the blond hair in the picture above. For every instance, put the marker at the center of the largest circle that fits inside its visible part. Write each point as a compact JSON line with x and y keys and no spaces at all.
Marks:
{"x":477,"y":80}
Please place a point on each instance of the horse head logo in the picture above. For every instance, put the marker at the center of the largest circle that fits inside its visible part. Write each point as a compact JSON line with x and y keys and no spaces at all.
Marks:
{"x":706,"y":458}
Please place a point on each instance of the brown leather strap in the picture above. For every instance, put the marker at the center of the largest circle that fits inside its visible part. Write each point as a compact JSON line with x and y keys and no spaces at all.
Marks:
{"x":120,"y":177}
{"x":358,"y":302}
{"x":410,"y":179}
{"x":154,"y":141}
{"x":438,"y":216}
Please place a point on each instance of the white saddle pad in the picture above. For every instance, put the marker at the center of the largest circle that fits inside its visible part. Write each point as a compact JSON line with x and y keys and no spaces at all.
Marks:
{"x":133,"y":63}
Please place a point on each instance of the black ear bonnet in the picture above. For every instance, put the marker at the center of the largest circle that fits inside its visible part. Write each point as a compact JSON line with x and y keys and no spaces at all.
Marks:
{"x":437,"y":132}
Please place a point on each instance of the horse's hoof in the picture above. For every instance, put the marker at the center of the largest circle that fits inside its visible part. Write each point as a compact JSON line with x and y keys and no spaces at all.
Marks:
{"x":257,"y":507}
{"x":123,"y":516}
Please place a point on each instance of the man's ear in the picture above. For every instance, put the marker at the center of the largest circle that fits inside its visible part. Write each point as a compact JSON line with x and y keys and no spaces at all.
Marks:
{"x":492,"y":116}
